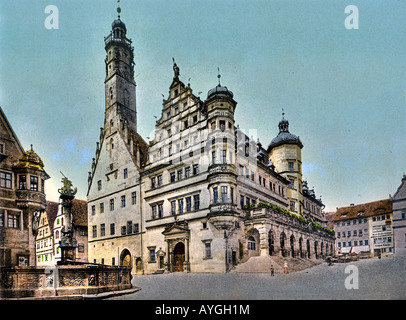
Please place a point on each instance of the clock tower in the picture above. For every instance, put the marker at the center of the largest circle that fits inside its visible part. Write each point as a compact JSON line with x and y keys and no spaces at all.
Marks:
{"x":119,"y":83}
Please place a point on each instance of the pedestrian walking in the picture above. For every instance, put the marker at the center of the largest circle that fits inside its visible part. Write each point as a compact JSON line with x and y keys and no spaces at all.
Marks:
{"x":272,"y":270}
{"x":285,"y":268}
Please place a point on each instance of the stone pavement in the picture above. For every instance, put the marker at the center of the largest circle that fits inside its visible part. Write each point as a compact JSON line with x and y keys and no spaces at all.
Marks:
{"x":263,"y":264}
{"x":381,"y":279}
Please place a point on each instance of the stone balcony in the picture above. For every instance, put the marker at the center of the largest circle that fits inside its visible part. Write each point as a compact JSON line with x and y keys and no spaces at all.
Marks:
{"x":222,"y":168}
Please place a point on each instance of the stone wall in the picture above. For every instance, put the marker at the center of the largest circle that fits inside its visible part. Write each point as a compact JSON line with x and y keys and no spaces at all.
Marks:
{"x":20,"y":282}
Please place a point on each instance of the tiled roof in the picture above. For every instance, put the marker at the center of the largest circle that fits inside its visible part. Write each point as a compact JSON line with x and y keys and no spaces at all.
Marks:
{"x":51,"y":211}
{"x":364,"y":210}
{"x":79,"y":212}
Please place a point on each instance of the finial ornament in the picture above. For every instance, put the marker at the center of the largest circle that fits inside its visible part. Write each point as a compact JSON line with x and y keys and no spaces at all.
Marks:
{"x":218,"y":75}
{"x":283,"y":113}
{"x":118,"y":8}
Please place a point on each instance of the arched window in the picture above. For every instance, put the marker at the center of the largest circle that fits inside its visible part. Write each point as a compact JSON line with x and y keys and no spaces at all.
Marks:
{"x":251,"y":243}
{"x":57,"y":234}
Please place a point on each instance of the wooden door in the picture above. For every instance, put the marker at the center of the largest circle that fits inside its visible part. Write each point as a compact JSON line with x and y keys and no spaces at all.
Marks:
{"x":178,"y":257}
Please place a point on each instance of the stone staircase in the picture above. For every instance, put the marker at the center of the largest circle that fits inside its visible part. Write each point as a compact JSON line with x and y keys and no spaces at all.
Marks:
{"x":262,"y":264}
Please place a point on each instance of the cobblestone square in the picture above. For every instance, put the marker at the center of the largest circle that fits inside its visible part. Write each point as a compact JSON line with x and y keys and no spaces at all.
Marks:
{"x":379,"y":279}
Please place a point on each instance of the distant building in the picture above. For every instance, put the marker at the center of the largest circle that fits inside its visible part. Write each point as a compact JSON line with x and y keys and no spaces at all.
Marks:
{"x":45,"y":238}
{"x":79,"y":213}
{"x":365,"y":228}
{"x":399,"y":219}
{"x":22,"y":198}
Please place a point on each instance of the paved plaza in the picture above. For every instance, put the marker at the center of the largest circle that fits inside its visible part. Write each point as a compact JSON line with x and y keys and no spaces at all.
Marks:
{"x":377,"y":279}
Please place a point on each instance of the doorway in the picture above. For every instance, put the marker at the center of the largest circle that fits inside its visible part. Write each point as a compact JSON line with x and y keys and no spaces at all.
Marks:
{"x":179,"y":257}
{"x":125,"y":258}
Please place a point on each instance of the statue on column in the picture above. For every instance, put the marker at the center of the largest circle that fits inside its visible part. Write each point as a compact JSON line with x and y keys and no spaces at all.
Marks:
{"x":68,"y":243}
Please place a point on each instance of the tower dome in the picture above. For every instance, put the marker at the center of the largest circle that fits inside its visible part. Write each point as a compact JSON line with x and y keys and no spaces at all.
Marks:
{"x":284,"y":136}
{"x":30,"y":160}
{"x":118,"y":24}
{"x":219,"y":89}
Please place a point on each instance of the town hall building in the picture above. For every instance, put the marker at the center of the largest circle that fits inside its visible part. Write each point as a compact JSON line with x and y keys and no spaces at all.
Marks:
{"x":201,"y":196}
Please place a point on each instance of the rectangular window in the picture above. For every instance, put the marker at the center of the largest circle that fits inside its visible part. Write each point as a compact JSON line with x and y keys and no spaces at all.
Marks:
{"x":1,"y":219}
{"x":215,"y":195}
{"x":292,"y":183}
{"x":136,"y":228}
{"x":224,"y":197}
{"x":123,"y":230}
{"x":112,"y":229}
{"x":93,"y":210}
{"x":5,"y":180}
{"x":111,"y":204}
{"x":207,"y":247}
{"x":291,"y":166}
{"x":94,"y":231}
{"x":213,"y":157}
{"x":173,"y":176}
{"x":102,"y":230}
{"x":252,"y":175}
{"x":129,"y":227}
{"x":160,"y":210}
{"x":123,"y":201}
{"x":159,"y":180}
{"x":180,"y":205}
{"x":134,"y":197}
{"x":231,"y":195}
{"x":222,"y":125}
{"x":242,"y":202}
{"x":13,"y":221}
{"x":187,"y":172}
{"x":195,"y":169}
{"x":173,"y":208}
{"x":99,"y":185}
{"x":33,"y":183}
{"x":292,"y":206}
{"x":102,"y":207}
{"x":23,"y":182}
{"x":180,"y":173}
{"x":152,"y":255}
{"x":223,"y":156}
{"x":125,"y":173}
{"x":188,"y":204}
{"x":153,"y":182}
{"x":154,"y":212}
{"x":196,"y":201}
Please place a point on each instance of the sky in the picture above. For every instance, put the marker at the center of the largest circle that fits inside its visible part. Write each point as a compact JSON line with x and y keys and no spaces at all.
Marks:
{"x":342,"y":90}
